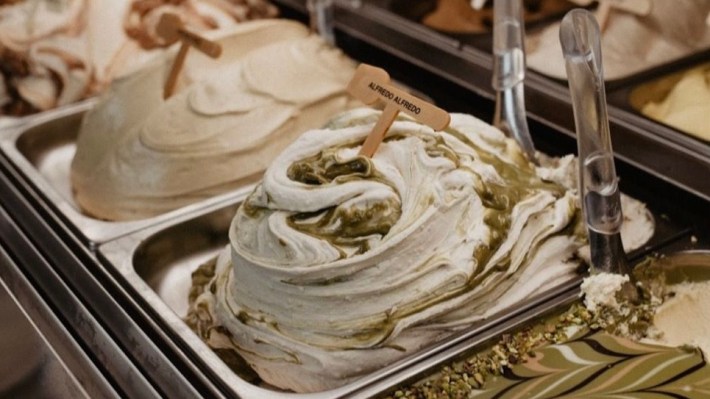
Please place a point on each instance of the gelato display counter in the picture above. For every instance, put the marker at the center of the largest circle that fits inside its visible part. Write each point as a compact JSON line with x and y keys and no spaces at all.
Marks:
{"x":132,"y":304}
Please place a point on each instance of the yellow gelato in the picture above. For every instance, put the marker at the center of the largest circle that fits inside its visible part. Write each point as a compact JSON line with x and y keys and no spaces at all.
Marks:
{"x":686,"y":105}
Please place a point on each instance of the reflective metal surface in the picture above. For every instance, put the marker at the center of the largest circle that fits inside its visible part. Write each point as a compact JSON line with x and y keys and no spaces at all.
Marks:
{"x":29,"y":368}
{"x":43,"y":148}
{"x":157,"y":262}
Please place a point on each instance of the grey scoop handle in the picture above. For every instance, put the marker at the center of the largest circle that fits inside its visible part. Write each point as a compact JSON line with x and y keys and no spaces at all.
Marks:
{"x":599,"y":188}
{"x":509,"y":74}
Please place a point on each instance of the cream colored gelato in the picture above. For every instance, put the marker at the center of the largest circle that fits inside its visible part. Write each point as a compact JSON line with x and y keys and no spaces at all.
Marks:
{"x":139,"y":155}
{"x":631,"y":43}
{"x":339,"y":265}
{"x":54,"y":53}
{"x":686,"y":104}
{"x":679,"y":312}
{"x":684,"y":317}
{"x":600,"y":290}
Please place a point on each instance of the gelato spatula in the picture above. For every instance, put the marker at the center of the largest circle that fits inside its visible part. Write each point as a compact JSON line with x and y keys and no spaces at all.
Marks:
{"x":599,"y":188}
{"x":321,"y":19}
{"x":509,"y":74}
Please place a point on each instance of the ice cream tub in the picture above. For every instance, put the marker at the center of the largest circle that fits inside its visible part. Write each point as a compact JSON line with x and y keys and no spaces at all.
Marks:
{"x":157,"y":262}
{"x":591,"y":362}
{"x":43,"y":148}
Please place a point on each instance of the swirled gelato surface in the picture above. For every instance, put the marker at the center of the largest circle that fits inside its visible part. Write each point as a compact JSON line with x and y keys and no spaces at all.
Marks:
{"x":139,"y":155}
{"x":53,"y":53}
{"x":685,"y":105}
{"x":339,"y":265}
{"x":632,"y":43}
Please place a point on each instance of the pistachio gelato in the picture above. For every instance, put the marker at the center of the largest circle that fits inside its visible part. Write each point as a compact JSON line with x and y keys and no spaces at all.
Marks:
{"x":53,"y":53}
{"x":632,"y":43}
{"x":139,"y":155}
{"x":340,"y":264}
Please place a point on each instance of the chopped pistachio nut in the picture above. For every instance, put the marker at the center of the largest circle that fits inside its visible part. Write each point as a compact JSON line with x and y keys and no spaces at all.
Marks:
{"x":457,"y":380}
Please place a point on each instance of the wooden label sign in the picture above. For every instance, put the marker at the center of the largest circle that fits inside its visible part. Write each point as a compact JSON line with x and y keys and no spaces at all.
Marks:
{"x":171,"y":29}
{"x":371,"y":84}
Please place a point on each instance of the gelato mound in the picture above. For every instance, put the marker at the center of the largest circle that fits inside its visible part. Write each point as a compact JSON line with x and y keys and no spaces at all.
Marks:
{"x":632,"y":43}
{"x":139,"y":155}
{"x":686,"y":104}
{"x":339,"y":265}
{"x":54,"y":53}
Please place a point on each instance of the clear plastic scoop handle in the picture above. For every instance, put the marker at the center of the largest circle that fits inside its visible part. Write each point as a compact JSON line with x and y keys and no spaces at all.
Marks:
{"x":321,"y":19}
{"x":509,"y":73}
{"x":599,"y":188}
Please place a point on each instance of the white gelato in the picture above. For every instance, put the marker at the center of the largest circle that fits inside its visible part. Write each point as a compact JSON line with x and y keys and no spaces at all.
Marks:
{"x":339,"y":265}
{"x":53,"y":53}
{"x":684,"y":318}
{"x":631,"y":43}
{"x":680,"y":315}
{"x":139,"y":155}
{"x":600,"y":290}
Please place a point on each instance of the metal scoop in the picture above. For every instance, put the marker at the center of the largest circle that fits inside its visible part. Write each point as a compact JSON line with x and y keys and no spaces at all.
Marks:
{"x":599,"y":188}
{"x":321,"y":19}
{"x":509,"y":73}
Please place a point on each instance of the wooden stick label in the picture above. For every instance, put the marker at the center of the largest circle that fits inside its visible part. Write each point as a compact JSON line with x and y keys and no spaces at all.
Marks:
{"x":371,"y":84}
{"x":170,"y":28}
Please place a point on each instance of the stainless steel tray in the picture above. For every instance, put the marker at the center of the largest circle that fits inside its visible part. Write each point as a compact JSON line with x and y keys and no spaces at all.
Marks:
{"x":157,"y":263}
{"x":42,"y":148}
{"x":7,"y":122}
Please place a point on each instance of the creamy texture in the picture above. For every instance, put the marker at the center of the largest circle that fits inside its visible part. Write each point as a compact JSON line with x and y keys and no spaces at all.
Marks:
{"x":57,"y":52}
{"x":600,"y":290}
{"x":685,"y":106}
{"x":680,"y":317}
{"x":684,"y":317}
{"x":139,"y":155}
{"x":630,"y":43}
{"x":339,"y":265}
